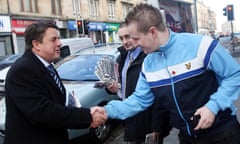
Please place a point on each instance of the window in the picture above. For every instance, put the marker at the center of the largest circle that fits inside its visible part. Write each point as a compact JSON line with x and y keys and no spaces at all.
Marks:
{"x":111,"y":9}
{"x":29,"y":5}
{"x":126,"y":8}
{"x":93,"y":8}
{"x":56,"y":7}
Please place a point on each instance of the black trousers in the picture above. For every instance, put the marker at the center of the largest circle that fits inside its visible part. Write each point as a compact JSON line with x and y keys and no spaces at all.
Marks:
{"x":229,"y":136}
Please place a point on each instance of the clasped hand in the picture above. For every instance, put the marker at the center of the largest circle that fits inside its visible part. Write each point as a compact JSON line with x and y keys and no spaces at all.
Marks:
{"x":99,"y":116}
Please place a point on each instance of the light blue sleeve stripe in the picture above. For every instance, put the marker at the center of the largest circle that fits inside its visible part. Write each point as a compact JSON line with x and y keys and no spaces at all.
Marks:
{"x":227,"y":70}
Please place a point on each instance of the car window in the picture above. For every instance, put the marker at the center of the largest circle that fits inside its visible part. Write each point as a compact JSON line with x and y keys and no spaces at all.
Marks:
{"x":80,"y":68}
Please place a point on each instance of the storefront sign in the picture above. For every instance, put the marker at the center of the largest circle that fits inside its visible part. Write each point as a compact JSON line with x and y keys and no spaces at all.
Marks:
{"x":19,"y":26}
{"x":97,"y":26}
{"x":71,"y":25}
{"x":60,"y":24}
{"x":5,"y":25}
{"x":112,"y":26}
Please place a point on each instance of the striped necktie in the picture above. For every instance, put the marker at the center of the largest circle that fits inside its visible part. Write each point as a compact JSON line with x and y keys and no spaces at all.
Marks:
{"x":55,"y":77}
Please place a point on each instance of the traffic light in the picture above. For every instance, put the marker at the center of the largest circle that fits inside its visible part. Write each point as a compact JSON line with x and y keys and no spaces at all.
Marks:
{"x":230,"y":13}
{"x":79,"y":26}
{"x":224,"y":11}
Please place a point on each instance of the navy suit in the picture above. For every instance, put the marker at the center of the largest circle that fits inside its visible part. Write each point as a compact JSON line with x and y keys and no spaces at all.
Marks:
{"x":36,"y":111}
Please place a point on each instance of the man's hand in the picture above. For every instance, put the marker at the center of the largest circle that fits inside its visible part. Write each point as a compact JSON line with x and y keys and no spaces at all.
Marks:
{"x":155,"y":136}
{"x":113,"y":87}
{"x":207,"y":118}
{"x":99,"y":116}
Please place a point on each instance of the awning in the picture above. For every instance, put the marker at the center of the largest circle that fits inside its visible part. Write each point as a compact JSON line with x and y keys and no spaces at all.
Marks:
{"x":96,"y":26}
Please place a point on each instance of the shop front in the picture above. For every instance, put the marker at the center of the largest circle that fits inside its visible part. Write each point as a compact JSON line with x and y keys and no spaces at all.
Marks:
{"x":96,"y":31}
{"x":18,"y":28}
{"x":111,"y":32}
{"x":178,"y":15}
{"x":72,"y":27}
{"x":6,"y":45}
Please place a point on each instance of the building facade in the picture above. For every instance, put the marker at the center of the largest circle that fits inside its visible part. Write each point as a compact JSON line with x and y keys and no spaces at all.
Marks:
{"x":206,"y":19}
{"x":101,"y":19}
{"x":98,"y":19}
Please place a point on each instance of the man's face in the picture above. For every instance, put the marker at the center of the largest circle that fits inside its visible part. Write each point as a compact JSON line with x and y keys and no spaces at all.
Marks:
{"x":124,"y":36}
{"x":49,"y":48}
{"x":145,"y":41}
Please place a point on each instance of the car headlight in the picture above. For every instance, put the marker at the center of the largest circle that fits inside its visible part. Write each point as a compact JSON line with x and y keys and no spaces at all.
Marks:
{"x":2,"y":113}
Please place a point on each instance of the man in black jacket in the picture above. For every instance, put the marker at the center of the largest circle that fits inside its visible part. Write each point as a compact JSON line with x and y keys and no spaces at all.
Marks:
{"x":35,"y":100}
{"x":129,"y":66}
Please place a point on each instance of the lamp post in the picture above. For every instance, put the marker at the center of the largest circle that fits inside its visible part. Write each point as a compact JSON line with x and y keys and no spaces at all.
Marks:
{"x":195,"y":13}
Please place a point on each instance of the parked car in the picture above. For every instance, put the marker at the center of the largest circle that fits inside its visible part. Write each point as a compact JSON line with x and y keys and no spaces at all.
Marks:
{"x":77,"y":74}
{"x":5,"y":63}
{"x":236,"y":39}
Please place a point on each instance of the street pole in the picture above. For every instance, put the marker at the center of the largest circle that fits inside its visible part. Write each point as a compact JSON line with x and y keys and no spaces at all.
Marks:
{"x":232,"y":36}
{"x":195,"y":12}
{"x":75,"y":13}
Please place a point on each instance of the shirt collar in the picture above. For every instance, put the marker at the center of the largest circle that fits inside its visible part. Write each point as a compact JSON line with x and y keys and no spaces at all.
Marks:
{"x":134,"y":53}
{"x":46,"y":64}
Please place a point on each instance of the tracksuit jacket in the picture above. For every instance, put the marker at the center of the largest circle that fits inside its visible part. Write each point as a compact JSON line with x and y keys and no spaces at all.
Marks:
{"x":186,"y":73}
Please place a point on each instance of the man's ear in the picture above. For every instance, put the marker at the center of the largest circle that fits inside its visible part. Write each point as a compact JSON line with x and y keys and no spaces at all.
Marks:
{"x":153,"y":30}
{"x":35,"y":44}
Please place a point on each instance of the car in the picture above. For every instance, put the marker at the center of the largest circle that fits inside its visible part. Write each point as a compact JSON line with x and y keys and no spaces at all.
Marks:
{"x":5,"y":63}
{"x":236,"y":39}
{"x":77,"y":73}
{"x":72,"y":45}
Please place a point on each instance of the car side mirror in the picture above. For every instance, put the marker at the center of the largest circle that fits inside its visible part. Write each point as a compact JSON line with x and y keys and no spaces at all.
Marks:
{"x":64,"y":51}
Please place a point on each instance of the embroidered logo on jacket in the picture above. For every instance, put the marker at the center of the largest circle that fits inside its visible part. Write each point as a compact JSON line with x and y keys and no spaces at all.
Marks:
{"x":188,"y":65}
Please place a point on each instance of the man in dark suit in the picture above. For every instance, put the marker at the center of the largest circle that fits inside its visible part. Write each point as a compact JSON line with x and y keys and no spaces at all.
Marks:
{"x":35,"y":102}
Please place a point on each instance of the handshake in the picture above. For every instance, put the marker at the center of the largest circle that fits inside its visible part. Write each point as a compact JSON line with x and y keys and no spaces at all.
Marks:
{"x":99,"y":116}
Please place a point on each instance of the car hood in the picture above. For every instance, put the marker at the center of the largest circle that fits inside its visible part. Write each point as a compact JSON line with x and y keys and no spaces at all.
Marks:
{"x":2,"y":113}
{"x":86,"y":94}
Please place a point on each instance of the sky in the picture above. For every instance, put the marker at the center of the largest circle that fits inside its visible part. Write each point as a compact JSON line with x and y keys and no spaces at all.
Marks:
{"x":218,"y":5}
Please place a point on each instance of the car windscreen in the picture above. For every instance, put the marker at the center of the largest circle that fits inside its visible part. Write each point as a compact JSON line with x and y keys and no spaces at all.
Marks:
{"x":80,"y":68}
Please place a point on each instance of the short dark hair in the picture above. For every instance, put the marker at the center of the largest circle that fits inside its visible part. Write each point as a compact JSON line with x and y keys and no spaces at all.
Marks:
{"x":36,"y":31}
{"x":146,"y":15}
{"x":122,"y":24}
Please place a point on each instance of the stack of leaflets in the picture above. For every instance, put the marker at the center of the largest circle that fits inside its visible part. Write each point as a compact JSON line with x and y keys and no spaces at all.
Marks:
{"x":106,"y":71}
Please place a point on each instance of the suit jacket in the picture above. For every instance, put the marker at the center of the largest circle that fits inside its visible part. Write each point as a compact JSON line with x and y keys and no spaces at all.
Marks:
{"x":36,"y":111}
{"x":138,"y":126}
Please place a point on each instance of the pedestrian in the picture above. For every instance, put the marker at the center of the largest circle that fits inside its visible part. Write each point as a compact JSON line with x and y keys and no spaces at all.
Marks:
{"x":35,"y":100}
{"x":129,"y":66}
{"x":192,"y":76}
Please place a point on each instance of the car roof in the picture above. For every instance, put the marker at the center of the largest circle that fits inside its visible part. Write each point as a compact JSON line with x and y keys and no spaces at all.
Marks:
{"x":110,"y":48}
{"x":103,"y":49}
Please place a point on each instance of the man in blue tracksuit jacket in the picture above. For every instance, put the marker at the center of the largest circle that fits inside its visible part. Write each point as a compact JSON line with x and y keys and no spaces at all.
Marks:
{"x":188,"y":75}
